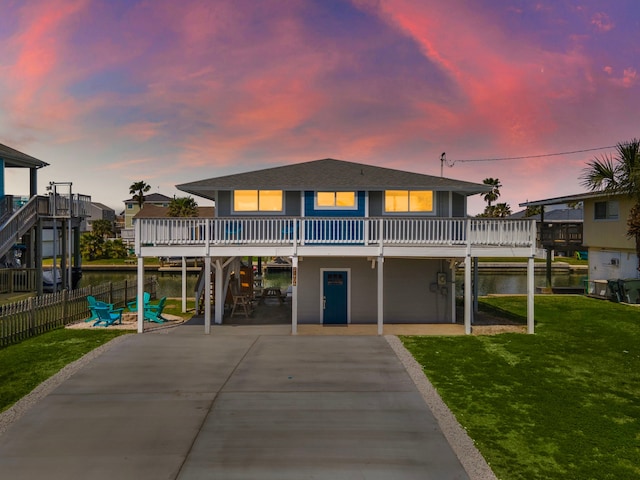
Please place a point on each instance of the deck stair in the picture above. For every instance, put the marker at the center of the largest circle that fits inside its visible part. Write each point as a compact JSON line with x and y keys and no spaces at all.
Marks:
{"x":12,"y":230}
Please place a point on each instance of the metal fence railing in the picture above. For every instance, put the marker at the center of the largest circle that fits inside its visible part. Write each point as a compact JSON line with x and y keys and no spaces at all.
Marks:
{"x":36,"y":315}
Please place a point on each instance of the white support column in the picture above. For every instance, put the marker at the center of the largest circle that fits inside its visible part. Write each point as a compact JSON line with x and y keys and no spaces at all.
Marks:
{"x":530,"y":295}
{"x":184,"y":284}
{"x":219,"y":295}
{"x":207,"y":295}
{"x":140,"y":293}
{"x":453,"y":291}
{"x":380,"y":295}
{"x":467,"y":294}
{"x":294,"y":295}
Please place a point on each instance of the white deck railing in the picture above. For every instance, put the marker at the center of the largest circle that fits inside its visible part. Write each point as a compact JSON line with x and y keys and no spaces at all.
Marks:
{"x":336,"y":231}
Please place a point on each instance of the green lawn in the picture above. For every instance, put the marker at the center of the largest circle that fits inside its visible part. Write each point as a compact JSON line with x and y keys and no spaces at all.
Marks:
{"x":561,"y":404}
{"x":29,"y":363}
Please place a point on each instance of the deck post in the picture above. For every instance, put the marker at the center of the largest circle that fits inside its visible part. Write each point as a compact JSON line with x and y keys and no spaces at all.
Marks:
{"x":219,"y":293}
{"x":294,"y":294}
{"x":530,"y":294}
{"x":207,"y":294}
{"x":380,"y":295}
{"x":453,"y":291}
{"x":139,"y":301}
{"x":467,"y":294}
{"x":184,"y":284}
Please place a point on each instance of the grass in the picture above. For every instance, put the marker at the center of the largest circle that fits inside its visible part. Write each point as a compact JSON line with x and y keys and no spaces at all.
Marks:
{"x":561,"y":404}
{"x":29,"y":363}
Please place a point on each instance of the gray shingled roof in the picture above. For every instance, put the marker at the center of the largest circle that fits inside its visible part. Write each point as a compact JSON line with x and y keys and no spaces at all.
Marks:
{"x":154,"y":211}
{"x":14,"y":158}
{"x":559,"y":215}
{"x":151,"y":197}
{"x":329,"y":174}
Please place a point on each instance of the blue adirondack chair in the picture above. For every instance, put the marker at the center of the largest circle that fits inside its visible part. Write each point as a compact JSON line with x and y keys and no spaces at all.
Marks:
{"x":91,"y":300}
{"x":107,"y":316}
{"x":133,"y":306}
{"x":153,"y":312}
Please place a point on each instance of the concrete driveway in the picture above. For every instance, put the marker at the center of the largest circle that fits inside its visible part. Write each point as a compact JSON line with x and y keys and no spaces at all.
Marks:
{"x":184,"y":405}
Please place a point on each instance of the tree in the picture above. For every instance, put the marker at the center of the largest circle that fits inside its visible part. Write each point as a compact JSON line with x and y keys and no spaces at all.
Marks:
{"x":532,"y":211}
{"x":102,"y":228}
{"x":138,"y":189}
{"x":619,"y":175}
{"x":499,"y":210}
{"x":183,"y":207}
{"x":492,"y":195}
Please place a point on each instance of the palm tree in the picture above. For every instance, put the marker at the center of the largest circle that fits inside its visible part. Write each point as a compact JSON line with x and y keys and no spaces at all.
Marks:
{"x":493,"y":195}
{"x":183,"y":207}
{"x":501,"y":210}
{"x":619,"y":175}
{"x":138,"y":189}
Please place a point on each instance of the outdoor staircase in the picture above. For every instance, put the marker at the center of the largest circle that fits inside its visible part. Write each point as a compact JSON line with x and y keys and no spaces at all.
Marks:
{"x":12,"y":230}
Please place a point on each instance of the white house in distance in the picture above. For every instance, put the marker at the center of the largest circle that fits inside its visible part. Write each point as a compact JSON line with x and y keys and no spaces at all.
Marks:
{"x":367,"y":244}
{"x":612,"y":255}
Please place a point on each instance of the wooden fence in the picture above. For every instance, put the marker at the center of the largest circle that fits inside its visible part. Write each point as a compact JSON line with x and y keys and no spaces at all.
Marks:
{"x":36,"y":315}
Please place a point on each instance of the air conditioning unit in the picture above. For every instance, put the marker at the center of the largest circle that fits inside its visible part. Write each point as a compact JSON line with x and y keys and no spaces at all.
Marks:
{"x":615,"y":262}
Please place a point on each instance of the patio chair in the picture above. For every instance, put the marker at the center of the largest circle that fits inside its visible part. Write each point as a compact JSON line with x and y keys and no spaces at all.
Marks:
{"x":153,"y":313}
{"x":91,"y":300}
{"x":108,"y":316}
{"x":133,"y":306}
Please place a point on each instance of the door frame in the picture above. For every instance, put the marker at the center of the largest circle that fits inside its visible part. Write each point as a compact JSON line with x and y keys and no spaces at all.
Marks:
{"x":347,"y":271}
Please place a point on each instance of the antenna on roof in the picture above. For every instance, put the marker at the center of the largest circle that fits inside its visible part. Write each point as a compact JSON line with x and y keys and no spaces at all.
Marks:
{"x":443,"y":158}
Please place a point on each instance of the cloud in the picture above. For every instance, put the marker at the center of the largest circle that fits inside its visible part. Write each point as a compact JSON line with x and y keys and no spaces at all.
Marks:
{"x":602,"y":22}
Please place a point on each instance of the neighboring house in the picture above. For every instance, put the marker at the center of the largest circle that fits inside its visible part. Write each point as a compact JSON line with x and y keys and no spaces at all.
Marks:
{"x":367,"y":244}
{"x":99,"y":211}
{"x":559,"y":230}
{"x":38,"y":226}
{"x":131,"y":208}
{"x":611,"y":254}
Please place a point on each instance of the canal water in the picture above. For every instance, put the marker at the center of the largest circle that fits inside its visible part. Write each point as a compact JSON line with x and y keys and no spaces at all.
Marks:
{"x":170,"y":284}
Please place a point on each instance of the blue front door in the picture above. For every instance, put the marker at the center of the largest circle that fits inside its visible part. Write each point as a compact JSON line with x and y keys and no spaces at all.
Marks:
{"x":334,"y":302}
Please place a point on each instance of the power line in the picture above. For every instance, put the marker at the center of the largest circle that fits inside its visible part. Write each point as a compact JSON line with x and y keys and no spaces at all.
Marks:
{"x":451,"y":163}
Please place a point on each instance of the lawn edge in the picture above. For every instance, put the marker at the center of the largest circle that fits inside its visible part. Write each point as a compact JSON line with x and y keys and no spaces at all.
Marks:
{"x":22,"y":406}
{"x":470,"y":457}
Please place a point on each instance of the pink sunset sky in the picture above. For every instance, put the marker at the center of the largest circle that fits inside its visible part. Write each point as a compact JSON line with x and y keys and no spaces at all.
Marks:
{"x":112,"y":92}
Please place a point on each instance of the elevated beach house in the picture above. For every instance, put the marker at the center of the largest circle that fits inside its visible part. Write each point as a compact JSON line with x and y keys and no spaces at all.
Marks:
{"x":367,"y":244}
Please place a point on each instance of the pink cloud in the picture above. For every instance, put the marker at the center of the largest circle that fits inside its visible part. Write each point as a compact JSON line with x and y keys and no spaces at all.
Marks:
{"x":602,"y":22}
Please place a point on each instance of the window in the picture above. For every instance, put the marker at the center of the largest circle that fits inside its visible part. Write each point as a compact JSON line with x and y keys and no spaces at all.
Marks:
{"x":408,"y":201}
{"x":606,"y":211}
{"x":336,"y":199}
{"x":257,"y":200}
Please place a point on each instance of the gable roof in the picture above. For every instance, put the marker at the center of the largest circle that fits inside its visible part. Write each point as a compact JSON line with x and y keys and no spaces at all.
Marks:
{"x":101,"y":206}
{"x":152,"y":198}
{"x":568,"y":199}
{"x":155,"y":211}
{"x":329,"y":174}
{"x":14,"y":158}
{"x":561,"y":215}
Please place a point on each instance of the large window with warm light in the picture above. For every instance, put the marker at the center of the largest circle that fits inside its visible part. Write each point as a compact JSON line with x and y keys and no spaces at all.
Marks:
{"x":257,"y":200}
{"x":333,"y":200}
{"x":406,"y":201}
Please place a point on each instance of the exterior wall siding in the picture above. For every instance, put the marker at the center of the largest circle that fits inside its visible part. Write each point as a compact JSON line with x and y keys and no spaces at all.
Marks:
{"x":459,"y":202}
{"x":410,"y":295}
{"x":223,"y":204}
{"x":607,"y":264}
{"x":609,"y":234}
{"x":376,"y":204}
